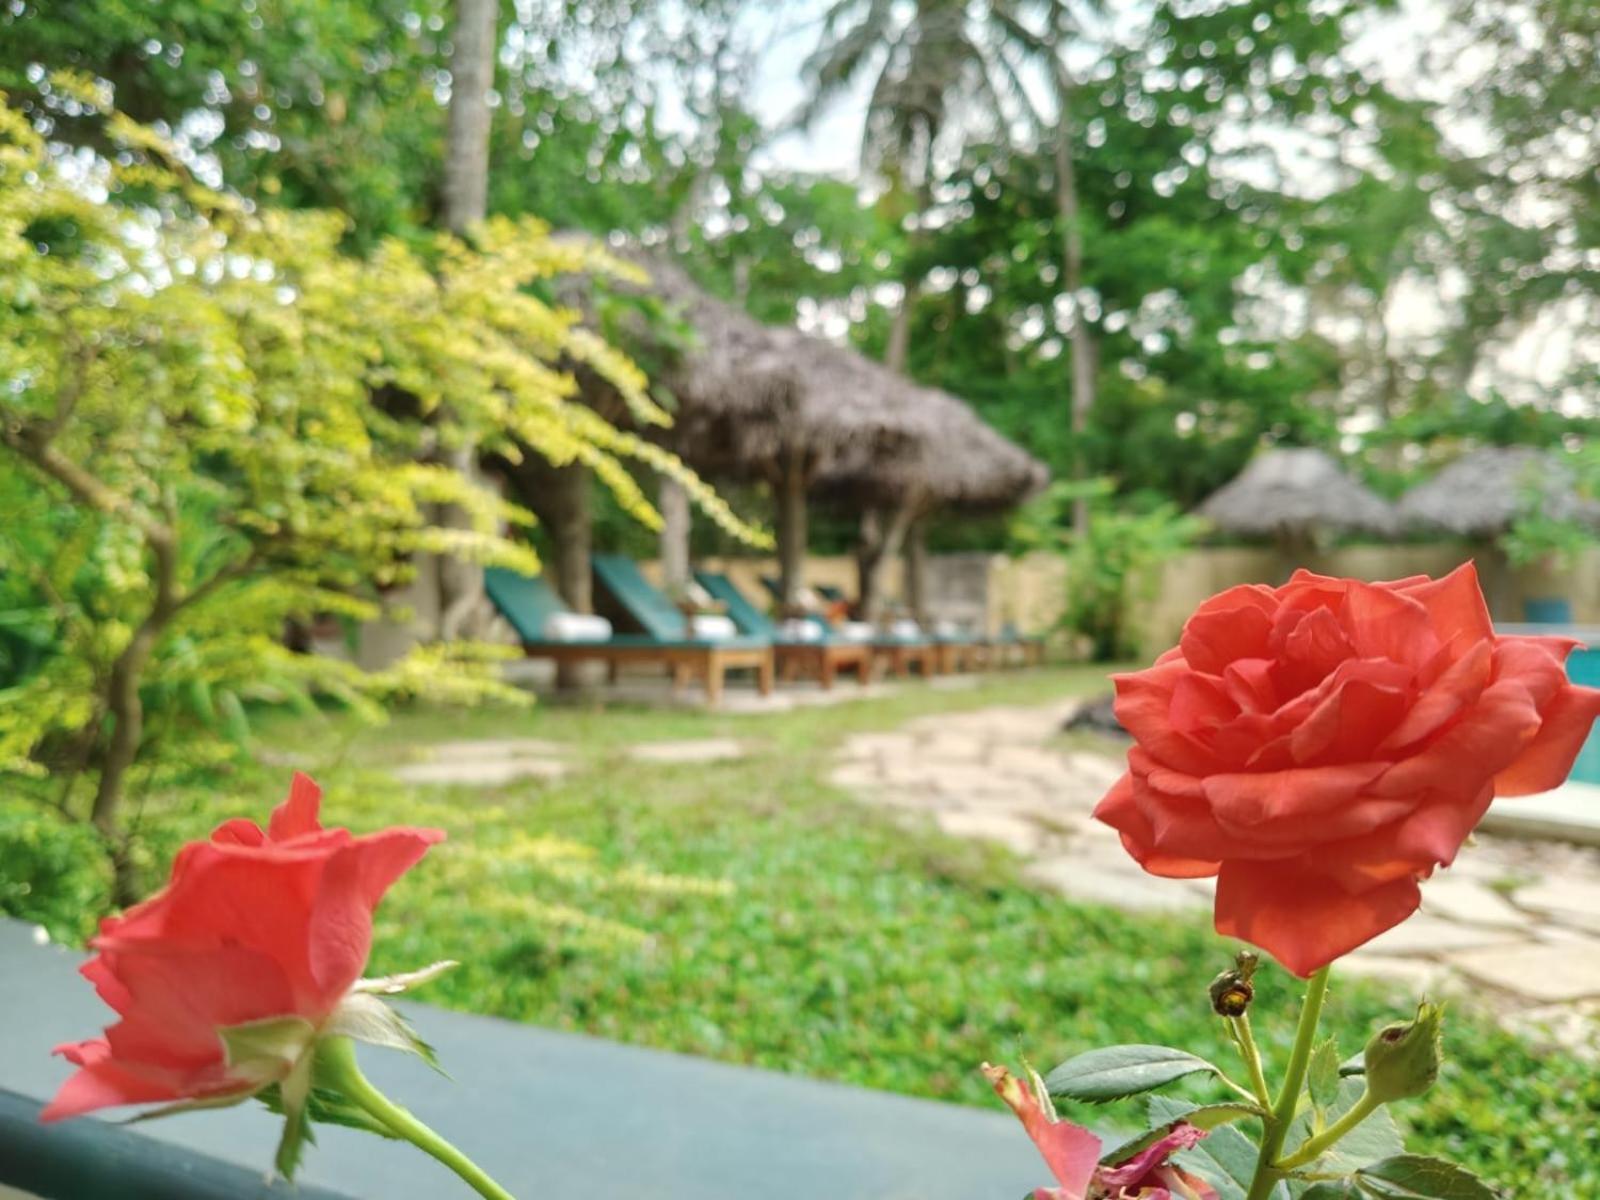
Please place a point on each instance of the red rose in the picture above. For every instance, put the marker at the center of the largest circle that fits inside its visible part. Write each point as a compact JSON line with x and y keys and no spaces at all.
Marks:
{"x":272,"y":928}
{"x":1322,"y":746}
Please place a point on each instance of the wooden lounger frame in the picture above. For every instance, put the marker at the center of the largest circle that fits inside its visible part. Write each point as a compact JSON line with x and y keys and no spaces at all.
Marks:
{"x":710,"y":664}
{"x":824,"y":660}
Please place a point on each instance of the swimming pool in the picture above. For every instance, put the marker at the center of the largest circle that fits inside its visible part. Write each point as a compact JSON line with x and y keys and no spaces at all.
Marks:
{"x":1582,"y":667}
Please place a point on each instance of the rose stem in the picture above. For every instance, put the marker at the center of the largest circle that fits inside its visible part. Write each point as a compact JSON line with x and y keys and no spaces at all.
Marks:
{"x":1277,"y":1125}
{"x":337,"y":1057}
{"x":1314,"y":1146}
{"x":1251,"y":1054}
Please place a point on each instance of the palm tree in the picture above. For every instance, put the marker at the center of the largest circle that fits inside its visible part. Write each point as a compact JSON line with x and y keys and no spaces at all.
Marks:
{"x":944,"y":57}
{"x":1038,"y":34}
{"x":925,"y":68}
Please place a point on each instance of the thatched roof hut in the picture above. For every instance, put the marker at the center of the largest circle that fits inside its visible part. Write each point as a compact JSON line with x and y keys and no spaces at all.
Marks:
{"x":958,"y":461}
{"x":1485,"y":490}
{"x":757,"y":402}
{"x":1292,"y":494}
{"x":779,"y":405}
{"x":750,"y":394}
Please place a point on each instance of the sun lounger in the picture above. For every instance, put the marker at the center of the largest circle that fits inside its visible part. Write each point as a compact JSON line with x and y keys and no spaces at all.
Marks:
{"x":632,"y":598}
{"x":534,"y":610}
{"x":822,"y":654}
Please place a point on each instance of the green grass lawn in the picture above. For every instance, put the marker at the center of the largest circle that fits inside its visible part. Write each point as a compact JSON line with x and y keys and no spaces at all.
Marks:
{"x":749,"y":911}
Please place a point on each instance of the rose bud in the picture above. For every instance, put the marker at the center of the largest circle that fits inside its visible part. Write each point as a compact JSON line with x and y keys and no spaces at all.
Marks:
{"x":1403,"y":1059}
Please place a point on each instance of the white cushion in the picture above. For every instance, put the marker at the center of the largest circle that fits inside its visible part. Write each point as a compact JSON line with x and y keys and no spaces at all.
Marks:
{"x":697,"y":595}
{"x":798,"y":630}
{"x":575,"y":627}
{"x":946,"y":628}
{"x":905,"y":629}
{"x":712,"y":627}
{"x":857,"y":631}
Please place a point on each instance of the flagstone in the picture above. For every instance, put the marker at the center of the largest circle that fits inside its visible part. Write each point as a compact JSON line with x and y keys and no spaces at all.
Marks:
{"x":1550,"y":973}
{"x":695,"y":750}
{"x":1471,"y":902}
{"x":483,"y":772}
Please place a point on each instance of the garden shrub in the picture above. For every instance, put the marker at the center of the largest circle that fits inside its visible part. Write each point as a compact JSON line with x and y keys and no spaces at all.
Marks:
{"x":52,"y":871}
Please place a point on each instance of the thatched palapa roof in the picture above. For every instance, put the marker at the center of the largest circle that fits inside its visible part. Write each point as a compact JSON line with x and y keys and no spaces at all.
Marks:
{"x":1485,"y":490}
{"x":960,"y":461}
{"x":757,"y":401}
{"x":1290,"y":492}
{"x":750,"y":395}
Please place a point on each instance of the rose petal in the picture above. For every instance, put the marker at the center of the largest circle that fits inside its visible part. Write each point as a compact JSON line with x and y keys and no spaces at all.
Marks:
{"x":297,"y":815}
{"x":1547,"y":760}
{"x":340,"y":932}
{"x":101,"y":1083}
{"x":1232,"y":625}
{"x":1456,"y":609}
{"x":1313,"y":647}
{"x":1244,"y":799}
{"x":1458,"y":687}
{"x":1484,"y":741}
{"x":1118,"y":810}
{"x":1133,"y":1171}
{"x":1305,"y":920}
{"x":1389,"y":625}
{"x":1071,"y":1152}
{"x":1350,"y":722}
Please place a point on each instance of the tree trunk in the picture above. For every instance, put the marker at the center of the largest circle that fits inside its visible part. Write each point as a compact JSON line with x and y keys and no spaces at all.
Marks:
{"x":466,"y":163}
{"x":1084,"y":353}
{"x":572,"y":533}
{"x":674,"y":504}
{"x":916,"y":568}
{"x":126,"y":710}
{"x":559,"y":497}
{"x":882,"y":538}
{"x":791,"y":499}
{"x":462,"y":605}
{"x":898,"y":349}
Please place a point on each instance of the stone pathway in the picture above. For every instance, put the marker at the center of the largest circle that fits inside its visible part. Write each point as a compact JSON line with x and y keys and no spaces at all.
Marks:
{"x":486,"y":762}
{"x":694,"y":750}
{"x":491,"y":762}
{"x":1514,"y":921}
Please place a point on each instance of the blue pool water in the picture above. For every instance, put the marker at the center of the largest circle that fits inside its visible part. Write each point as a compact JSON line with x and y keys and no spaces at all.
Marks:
{"x":1584,"y":667}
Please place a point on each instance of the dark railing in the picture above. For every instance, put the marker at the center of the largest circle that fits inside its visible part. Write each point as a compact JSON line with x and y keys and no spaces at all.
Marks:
{"x":94,"y":1160}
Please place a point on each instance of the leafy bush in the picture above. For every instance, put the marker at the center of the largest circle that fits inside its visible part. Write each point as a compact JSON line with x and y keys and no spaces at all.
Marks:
{"x":1558,"y":533}
{"x":52,"y":871}
{"x":1111,"y":565}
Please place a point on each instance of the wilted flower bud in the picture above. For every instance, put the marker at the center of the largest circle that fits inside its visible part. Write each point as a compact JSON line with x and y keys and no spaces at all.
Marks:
{"x":1232,"y":991}
{"x":1403,"y":1059}
{"x":1231,"y":994}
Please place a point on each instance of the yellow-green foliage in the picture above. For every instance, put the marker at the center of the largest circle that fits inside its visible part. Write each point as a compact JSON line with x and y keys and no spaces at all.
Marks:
{"x":177,"y":368}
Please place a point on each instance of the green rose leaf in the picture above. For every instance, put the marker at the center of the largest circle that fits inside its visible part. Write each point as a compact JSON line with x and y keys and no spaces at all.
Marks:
{"x":1331,"y":1190}
{"x":1417,"y":1177}
{"x":1322,"y":1079}
{"x":1120,"y":1071}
